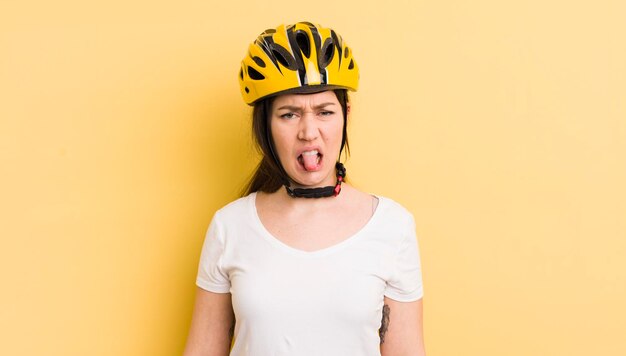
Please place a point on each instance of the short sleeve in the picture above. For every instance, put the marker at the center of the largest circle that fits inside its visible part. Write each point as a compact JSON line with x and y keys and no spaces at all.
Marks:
{"x":211,"y":276}
{"x":405,"y":283}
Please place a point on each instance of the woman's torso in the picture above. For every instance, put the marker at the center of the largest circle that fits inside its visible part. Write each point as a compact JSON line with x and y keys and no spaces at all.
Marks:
{"x":292,"y":301}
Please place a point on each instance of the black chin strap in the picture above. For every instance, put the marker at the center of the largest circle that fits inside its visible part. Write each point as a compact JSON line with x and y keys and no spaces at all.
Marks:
{"x":321,"y":192}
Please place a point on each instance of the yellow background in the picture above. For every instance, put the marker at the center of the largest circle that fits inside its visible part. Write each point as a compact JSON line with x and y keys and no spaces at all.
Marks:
{"x":499,"y":124}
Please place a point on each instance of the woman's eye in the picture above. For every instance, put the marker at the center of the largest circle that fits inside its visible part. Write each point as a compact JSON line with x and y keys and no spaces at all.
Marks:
{"x":288,"y":115}
{"x":326,"y":113}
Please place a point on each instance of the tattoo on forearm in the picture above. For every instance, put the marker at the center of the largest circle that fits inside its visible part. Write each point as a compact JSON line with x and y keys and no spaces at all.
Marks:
{"x":384,"y":324}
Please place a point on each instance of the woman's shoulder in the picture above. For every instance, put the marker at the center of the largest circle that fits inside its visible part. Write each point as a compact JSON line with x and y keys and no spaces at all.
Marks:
{"x":390,"y":209}
{"x":235,"y":208}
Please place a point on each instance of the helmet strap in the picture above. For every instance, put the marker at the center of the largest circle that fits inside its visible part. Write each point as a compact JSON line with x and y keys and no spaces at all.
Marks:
{"x":344,"y":105}
{"x":321,"y":192}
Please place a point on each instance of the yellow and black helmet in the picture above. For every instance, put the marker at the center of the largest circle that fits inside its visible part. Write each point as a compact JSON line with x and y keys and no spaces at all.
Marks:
{"x":296,"y":58}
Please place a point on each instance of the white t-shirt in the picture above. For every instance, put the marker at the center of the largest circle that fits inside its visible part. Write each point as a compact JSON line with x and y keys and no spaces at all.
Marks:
{"x":326,"y":302}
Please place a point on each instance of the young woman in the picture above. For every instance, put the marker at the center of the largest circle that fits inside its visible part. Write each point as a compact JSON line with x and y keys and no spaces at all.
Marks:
{"x":306,"y":264}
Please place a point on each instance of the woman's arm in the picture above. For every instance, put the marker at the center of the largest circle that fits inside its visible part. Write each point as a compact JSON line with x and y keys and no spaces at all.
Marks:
{"x":401,"y":333}
{"x":212,"y":325}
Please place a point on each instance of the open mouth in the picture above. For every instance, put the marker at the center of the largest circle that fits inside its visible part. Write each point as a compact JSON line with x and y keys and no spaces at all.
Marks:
{"x":310,"y":160}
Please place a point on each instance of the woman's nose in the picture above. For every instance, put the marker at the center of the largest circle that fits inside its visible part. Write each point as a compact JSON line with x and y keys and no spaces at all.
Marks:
{"x":308,"y":130}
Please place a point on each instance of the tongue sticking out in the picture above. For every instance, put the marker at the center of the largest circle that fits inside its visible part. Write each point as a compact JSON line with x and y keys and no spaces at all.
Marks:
{"x":310,"y":161}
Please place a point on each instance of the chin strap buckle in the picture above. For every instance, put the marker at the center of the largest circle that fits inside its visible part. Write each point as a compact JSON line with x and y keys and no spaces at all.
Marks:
{"x":338,"y":186}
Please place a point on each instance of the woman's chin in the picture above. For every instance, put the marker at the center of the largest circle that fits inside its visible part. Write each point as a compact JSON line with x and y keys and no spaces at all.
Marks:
{"x":312,"y":180}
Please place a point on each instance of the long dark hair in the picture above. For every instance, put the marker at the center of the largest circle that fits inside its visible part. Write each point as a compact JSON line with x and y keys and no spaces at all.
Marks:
{"x":269,"y":176}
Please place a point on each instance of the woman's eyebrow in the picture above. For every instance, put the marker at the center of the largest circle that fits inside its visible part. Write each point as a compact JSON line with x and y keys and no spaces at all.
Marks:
{"x":298,"y":108}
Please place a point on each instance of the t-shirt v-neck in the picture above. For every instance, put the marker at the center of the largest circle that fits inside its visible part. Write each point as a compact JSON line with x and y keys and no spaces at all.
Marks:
{"x":265,"y":233}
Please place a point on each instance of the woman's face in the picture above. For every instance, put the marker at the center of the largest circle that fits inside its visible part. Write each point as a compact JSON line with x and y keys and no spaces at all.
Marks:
{"x":307,"y":131}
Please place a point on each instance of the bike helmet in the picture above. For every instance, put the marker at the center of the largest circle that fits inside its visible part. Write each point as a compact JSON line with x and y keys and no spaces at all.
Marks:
{"x":299,"y":58}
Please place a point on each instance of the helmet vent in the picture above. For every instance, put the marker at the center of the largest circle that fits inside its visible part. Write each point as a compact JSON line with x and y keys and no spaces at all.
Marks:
{"x":254,"y":74}
{"x":346,"y":54}
{"x":241,"y":73}
{"x":283,"y":57}
{"x":258,"y":61}
{"x":303,"y":42}
{"x":247,"y":90}
{"x":351,"y":65}
{"x":327,"y":53}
